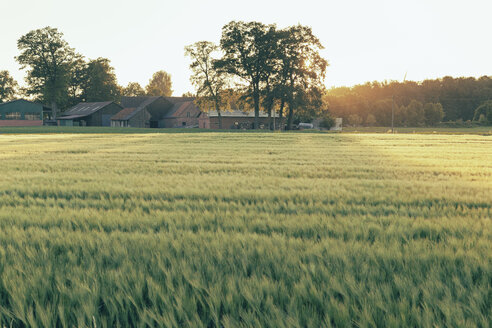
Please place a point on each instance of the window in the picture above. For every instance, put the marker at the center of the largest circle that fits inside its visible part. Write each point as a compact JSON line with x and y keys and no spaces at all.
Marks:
{"x":184,"y":123}
{"x":32,"y":116}
{"x":13,"y":116}
{"x":188,"y":114}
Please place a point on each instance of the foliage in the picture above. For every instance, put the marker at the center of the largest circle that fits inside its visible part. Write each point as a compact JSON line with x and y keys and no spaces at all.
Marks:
{"x":160,"y":85}
{"x":8,"y":87}
{"x":413,"y":114}
{"x":327,"y":121}
{"x":301,"y":68}
{"x":433,"y":113}
{"x":459,"y":98}
{"x":210,"y":81}
{"x":100,"y":82}
{"x":48,"y":60}
{"x":370,"y":120}
{"x":133,"y":89}
{"x":249,"y":53}
{"x":484,"y":112}
{"x":309,"y":230}
{"x":355,"y":120}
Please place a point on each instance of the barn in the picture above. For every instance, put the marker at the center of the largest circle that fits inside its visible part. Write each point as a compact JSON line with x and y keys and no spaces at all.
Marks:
{"x":22,"y":112}
{"x":233,"y":120}
{"x":136,"y":117}
{"x":90,"y":114}
{"x":164,"y":112}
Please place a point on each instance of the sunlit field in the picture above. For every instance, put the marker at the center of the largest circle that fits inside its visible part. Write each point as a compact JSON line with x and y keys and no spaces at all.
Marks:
{"x":245,"y":230}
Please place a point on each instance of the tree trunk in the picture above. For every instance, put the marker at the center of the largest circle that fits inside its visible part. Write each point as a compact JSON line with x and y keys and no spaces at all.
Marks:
{"x":281,"y":114}
{"x":291,"y":116}
{"x":219,"y":115}
{"x":256,"y":99}
{"x":271,"y":114}
{"x":53,"y":110}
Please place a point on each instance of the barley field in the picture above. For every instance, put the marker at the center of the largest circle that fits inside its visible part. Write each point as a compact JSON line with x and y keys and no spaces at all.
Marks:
{"x":245,"y":230}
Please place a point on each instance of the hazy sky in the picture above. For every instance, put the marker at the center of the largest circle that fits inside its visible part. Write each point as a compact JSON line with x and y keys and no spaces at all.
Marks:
{"x":364,"y":40}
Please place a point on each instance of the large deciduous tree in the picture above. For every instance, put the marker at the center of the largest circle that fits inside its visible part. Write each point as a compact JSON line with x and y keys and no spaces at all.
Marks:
{"x":160,"y":85}
{"x":8,"y":86}
{"x":302,"y":69}
{"x":100,"y":81}
{"x":249,"y":53}
{"x":48,"y":59}
{"x":209,"y":79}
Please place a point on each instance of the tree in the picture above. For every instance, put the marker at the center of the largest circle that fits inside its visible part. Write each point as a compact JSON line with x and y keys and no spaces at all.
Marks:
{"x":133,"y":89}
{"x":355,"y":120}
{"x":302,"y":69}
{"x":48,"y":59}
{"x":249,"y":53}
{"x":370,"y":120}
{"x":210,"y":81}
{"x":433,"y":113}
{"x":160,"y":85}
{"x":484,"y":112}
{"x":100,"y":81}
{"x":77,"y":81}
{"x":8,"y":86}
{"x":414,"y":114}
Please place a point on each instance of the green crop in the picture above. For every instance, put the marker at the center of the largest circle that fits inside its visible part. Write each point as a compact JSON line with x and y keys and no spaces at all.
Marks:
{"x":245,"y":230}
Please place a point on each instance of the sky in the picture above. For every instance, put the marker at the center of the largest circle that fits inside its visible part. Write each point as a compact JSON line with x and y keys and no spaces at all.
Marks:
{"x":364,"y":40}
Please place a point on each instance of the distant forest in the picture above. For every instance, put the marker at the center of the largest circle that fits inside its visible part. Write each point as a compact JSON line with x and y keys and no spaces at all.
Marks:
{"x":416,"y":103}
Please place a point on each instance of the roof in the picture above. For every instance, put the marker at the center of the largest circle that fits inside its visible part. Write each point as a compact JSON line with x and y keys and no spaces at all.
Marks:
{"x":24,"y":100}
{"x":159,"y":107}
{"x":136,"y":102}
{"x":180,"y":108}
{"x":176,"y":100}
{"x":237,"y":113}
{"x":125,"y":114}
{"x":85,"y":109}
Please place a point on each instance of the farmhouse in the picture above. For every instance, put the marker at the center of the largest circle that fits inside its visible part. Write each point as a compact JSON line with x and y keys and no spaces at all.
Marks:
{"x":233,"y":120}
{"x":90,"y":114}
{"x":22,"y":112}
{"x":157,"y":112}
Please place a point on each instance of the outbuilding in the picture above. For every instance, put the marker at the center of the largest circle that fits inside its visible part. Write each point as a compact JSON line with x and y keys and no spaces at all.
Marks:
{"x":90,"y":114}
{"x":132,"y":117}
{"x":22,"y":112}
{"x":165,"y":112}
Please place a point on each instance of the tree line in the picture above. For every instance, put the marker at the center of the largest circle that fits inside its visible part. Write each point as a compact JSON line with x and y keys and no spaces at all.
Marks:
{"x":414,"y":104}
{"x":60,"y":77}
{"x":255,"y":67}
{"x":276,"y":70}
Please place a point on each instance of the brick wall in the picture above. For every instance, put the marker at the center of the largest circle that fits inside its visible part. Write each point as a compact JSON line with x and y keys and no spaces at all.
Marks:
{"x":20,"y":123}
{"x":230,"y":122}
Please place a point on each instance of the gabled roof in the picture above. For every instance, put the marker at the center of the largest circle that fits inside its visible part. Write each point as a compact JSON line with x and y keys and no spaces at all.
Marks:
{"x":181,"y":107}
{"x":125,"y":114}
{"x":136,"y":102}
{"x":176,"y":100}
{"x":160,"y":107}
{"x":85,"y":109}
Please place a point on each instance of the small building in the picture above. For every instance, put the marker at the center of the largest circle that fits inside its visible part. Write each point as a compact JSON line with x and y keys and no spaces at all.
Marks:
{"x":132,"y":117}
{"x":338,"y":124}
{"x":183,"y":114}
{"x":90,"y":114}
{"x":165,"y":112}
{"x":235,"y":120}
{"x":22,"y":112}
